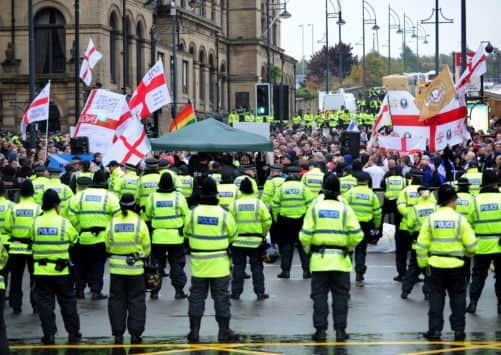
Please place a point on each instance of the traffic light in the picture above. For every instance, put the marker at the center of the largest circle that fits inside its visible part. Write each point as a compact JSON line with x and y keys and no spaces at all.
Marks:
{"x":263,"y":99}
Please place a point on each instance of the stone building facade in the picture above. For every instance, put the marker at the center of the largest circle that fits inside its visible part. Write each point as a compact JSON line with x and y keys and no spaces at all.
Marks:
{"x":220,"y":53}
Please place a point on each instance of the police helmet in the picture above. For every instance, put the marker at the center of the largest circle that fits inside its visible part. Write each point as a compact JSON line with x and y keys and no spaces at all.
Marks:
{"x":270,"y":254}
{"x":166,"y":184}
{"x":331,"y":184}
{"x":50,"y":200}
{"x":445,"y":194}
{"x":490,"y":178}
{"x":246,"y":186}
{"x":209,"y":188}
{"x":27,"y":189}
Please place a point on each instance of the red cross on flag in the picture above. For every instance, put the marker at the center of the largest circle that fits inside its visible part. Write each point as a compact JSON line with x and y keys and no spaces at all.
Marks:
{"x":475,"y":69}
{"x":131,"y":146}
{"x":151,"y":94}
{"x":37,"y":111}
{"x":405,"y":146}
{"x":90,"y":59}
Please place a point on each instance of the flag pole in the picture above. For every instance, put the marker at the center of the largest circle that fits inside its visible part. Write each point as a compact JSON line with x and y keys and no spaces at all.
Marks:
{"x":46,"y":138}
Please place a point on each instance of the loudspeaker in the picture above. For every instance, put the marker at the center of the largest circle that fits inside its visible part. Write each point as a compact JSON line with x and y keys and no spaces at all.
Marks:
{"x":79,"y":145}
{"x":350,"y":144}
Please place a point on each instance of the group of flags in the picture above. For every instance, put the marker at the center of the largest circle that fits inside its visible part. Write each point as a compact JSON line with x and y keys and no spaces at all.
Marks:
{"x":113,"y":125}
{"x":433,"y":120}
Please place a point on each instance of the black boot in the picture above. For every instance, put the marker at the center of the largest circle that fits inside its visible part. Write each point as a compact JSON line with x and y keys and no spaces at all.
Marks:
{"x":284,"y":275}
{"x":226,"y":335}
{"x":499,"y":308}
{"x":472,"y":307}
{"x":193,"y":336}
{"x":433,"y":335}
{"x":459,"y":335}
{"x":341,"y":335}
{"x":320,"y":335}
{"x":180,"y":295}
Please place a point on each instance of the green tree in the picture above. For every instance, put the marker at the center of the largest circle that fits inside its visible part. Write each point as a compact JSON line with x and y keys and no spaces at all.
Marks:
{"x":376,"y":67}
{"x":318,"y":62}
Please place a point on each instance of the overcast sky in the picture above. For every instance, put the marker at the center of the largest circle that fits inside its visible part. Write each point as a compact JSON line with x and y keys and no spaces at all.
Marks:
{"x":483,"y":23}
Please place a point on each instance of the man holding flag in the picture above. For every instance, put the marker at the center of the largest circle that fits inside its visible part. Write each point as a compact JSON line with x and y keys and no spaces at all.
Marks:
{"x":37,"y":111}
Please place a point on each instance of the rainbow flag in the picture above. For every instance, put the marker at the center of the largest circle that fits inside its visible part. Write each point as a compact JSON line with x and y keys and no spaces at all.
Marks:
{"x":185,"y":117}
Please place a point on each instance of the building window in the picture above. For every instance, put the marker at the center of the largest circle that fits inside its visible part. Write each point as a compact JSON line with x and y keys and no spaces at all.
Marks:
{"x":274,"y":33}
{"x":202,"y":8}
{"x":183,"y":4}
{"x":139,"y":52}
{"x":50,"y":41}
{"x":54,"y":124}
{"x":201,"y":78}
{"x":130,"y":53}
{"x":113,"y":48}
{"x":185,"y":77}
{"x":213,"y":11}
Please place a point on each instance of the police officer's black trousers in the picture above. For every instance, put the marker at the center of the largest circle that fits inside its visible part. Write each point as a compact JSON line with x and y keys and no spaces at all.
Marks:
{"x":289,"y":237}
{"x":48,"y":288}
{"x":16,"y":266}
{"x":338,"y":283}
{"x":403,"y":241}
{"x":454,"y":282}
{"x":177,"y":261}
{"x":4,"y":344}
{"x":481,"y":264}
{"x":127,"y":305}
{"x":219,"y":289}
{"x":412,"y":275}
{"x":390,"y":210}
{"x":361,"y":249}
{"x":89,"y":266}
{"x":239,"y":257}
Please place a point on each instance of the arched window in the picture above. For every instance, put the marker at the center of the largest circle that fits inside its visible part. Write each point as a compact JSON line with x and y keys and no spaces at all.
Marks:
{"x":50,"y":41}
{"x":139,"y":51}
{"x":201,"y":81}
{"x":130,"y":54}
{"x":213,"y":11}
{"x":54,"y":118}
{"x":212,"y":80}
{"x":113,"y":47}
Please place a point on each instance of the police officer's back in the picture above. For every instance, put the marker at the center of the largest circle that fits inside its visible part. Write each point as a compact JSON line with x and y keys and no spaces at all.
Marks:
{"x":128,"y":243}
{"x":210,"y":231}
{"x":227,"y":192}
{"x":40,"y":182}
{"x":487,"y":226}
{"x":149,"y":181}
{"x":130,"y":180}
{"x":367,"y":208}
{"x":253,"y":222}
{"x":51,"y":236}
{"x":274,"y":181}
{"x":63,"y":191}
{"x":17,"y":225}
{"x":330,"y":232}
{"x":313,"y":179}
{"x":289,"y":205}
{"x":115,"y":181}
{"x":184,"y":182}
{"x":166,"y":210}
{"x":465,"y":199}
{"x":444,"y":240}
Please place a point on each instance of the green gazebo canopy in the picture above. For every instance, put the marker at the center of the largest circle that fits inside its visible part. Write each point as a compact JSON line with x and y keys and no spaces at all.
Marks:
{"x":211,"y":135}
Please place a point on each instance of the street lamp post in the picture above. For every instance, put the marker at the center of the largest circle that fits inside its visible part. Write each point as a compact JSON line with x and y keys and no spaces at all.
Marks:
{"x":312,"y":37}
{"x":375,"y":27}
{"x":77,"y":59}
{"x":392,"y":15}
{"x":439,"y":19}
{"x":125,"y":69}
{"x":423,"y":37}
{"x":302,"y":48}
{"x":32,"y":74}
{"x":173,"y":13}
{"x":339,"y":16}
{"x":153,"y":55}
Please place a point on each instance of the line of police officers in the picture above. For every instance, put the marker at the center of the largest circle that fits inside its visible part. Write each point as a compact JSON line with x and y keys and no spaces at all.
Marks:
{"x":66,"y":241}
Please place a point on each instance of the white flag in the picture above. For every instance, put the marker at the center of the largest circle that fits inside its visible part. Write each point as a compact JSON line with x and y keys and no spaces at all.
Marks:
{"x":131,"y":146}
{"x":151,"y":94}
{"x":475,"y":69}
{"x":38,"y":110}
{"x":91,"y":57}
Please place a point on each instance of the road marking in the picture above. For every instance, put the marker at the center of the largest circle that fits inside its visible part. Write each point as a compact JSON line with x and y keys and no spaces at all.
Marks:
{"x":453,"y":350}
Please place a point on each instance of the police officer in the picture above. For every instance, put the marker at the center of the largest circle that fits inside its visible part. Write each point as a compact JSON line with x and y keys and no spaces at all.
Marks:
{"x":83,"y":170}
{"x":130,"y":181}
{"x":166,"y":210}
{"x":393,"y":183}
{"x":407,"y":198}
{"x":17,"y":225}
{"x":128,"y":243}
{"x":40,"y":183}
{"x":330,"y":232}
{"x":253,"y":222}
{"x":418,"y":213}
{"x":346,"y":180}
{"x":445,"y":238}
{"x":274,"y":181}
{"x":148,"y":183}
{"x":465,"y":199}
{"x":90,"y":212}
{"x":249,"y":172}
{"x":313,"y":179}
{"x":290,"y":203}
{"x":115,"y":181}
{"x":474,"y":177}
{"x":63,"y":191}
{"x":367,"y":208}
{"x":184,"y":182}
{"x":487,"y":226}
{"x":210,"y":231}
{"x":51,"y":236}
{"x":6,"y":207}
{"x":227,"y":192}
{"x":4,"y":256}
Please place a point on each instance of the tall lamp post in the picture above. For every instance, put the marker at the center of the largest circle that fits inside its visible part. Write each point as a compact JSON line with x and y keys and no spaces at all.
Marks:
{"x":77,"y":59}
{"x":284,"y":14}
{"x":406,"y":30}
{"x":439,"y":19}
{"x":340,"y":22}
{"x":371,"y":20}
{"x":173,"y":13}
{"x":302,"y":48}
{"x":396,"y":25}
{"x":312,"y":38}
